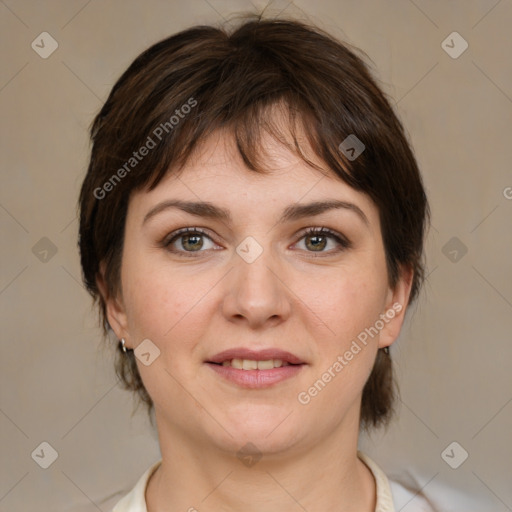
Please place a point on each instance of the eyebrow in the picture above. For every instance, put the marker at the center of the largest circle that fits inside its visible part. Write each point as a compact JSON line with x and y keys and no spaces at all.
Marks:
{"x":290,"y":213}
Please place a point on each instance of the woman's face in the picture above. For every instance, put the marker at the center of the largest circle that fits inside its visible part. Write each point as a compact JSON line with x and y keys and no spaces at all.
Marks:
{"x":255,"y":282}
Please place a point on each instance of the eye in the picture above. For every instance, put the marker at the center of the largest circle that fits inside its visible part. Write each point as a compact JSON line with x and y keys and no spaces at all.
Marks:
{"x":192,"y":240}
{"x":317,"y":239}
{"x":187,"y":241}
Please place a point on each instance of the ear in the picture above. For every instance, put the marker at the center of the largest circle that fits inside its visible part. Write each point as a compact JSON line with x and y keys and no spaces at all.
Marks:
{"x":396,"y":304}
{"x":116,"y":314}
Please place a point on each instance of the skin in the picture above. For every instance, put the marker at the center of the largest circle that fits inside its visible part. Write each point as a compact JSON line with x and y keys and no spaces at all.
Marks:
{"x":194,"y":307}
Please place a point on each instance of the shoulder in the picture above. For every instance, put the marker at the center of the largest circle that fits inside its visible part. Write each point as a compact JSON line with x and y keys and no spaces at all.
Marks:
{"x":135,"y":500}
{"x":393,"y":495}
{"x":434,"y":495}
{"x":409,"y":500}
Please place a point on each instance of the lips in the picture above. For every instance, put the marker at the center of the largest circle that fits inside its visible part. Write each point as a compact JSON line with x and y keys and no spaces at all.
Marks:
{"x":255,"y":355}
{"x":256,"y":369}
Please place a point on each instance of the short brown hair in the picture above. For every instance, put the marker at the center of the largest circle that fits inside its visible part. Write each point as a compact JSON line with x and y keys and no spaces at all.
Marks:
{"x":231,"y":78}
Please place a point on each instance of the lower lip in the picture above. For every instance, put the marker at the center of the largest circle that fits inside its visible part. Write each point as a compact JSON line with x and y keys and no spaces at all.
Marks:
{"x":256,"y":379}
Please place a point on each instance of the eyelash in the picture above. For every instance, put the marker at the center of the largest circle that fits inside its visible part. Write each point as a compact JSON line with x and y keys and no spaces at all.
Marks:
{"x":314,"y":231}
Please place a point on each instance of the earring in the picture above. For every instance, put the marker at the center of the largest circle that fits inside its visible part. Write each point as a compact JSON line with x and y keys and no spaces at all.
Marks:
{"x":122,"y":345}
{"x":386,"y":350}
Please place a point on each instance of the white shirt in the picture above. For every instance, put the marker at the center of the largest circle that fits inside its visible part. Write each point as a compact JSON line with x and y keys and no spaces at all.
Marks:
{"x":387,"y":491}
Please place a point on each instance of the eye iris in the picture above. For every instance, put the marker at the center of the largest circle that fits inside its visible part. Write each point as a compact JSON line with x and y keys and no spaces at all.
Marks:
{"x":186,"y":239}
{"x":317,"y":245}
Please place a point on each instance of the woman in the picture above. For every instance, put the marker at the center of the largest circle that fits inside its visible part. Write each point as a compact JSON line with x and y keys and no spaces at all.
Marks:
{"x":252,"y":227}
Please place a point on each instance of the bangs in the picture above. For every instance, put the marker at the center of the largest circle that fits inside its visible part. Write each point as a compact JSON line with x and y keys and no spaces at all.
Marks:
{"x":287,"y":120}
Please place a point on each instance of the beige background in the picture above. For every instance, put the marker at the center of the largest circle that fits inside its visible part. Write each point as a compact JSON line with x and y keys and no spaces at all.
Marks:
{"x":453,"y":357}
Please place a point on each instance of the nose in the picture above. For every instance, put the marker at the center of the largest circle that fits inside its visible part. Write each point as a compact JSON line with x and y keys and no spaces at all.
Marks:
{"x":256,"y":291}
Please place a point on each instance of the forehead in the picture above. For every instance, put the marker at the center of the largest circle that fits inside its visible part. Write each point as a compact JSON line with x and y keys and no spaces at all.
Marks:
{"x":216,"y":173}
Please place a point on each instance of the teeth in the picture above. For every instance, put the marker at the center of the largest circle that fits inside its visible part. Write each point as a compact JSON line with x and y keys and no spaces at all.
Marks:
{"x":249,"y":364}
{"x":265,"y":365}
{"x":237,"y":363}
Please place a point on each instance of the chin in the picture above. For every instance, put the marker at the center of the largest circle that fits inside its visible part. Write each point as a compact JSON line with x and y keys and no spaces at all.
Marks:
{"x":257,"y":445}
{"x":264,"y":434}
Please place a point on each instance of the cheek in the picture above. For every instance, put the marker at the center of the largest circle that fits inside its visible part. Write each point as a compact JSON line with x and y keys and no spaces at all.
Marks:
{"x":163,"y":307}
{"x":350,"y":304}
{"x":349,"y":301}
{"x":151,"y":305}
{"x":161,"y":304}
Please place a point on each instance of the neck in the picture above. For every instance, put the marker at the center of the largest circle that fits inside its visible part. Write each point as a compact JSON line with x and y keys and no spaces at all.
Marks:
{"x":196,"y":476}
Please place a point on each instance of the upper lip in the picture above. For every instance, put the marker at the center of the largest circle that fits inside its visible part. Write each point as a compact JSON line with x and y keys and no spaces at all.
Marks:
{"x":255,"y":355}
